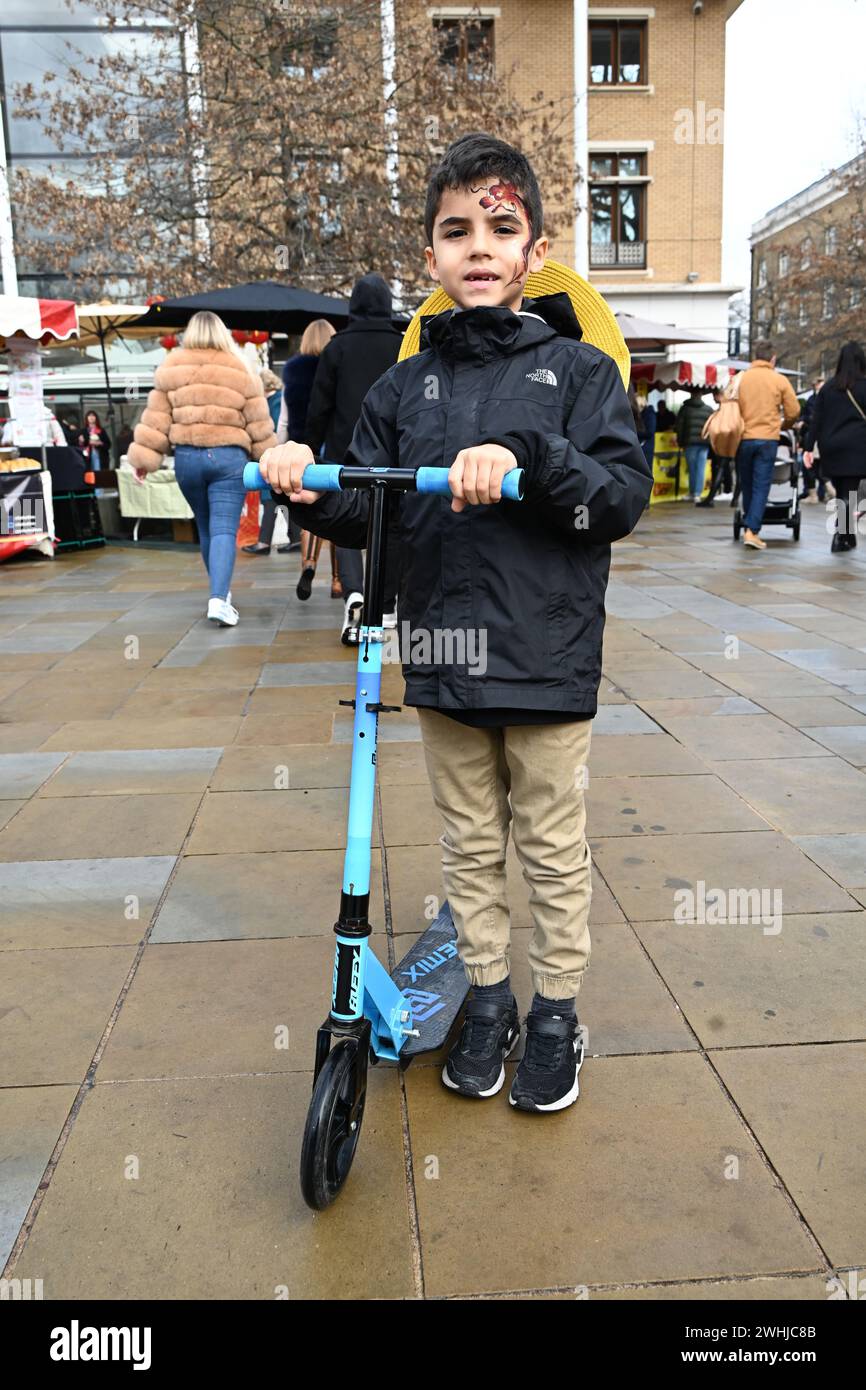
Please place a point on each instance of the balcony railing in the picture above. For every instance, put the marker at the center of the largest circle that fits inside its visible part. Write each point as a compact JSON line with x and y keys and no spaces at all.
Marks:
{"x":629,"y":254}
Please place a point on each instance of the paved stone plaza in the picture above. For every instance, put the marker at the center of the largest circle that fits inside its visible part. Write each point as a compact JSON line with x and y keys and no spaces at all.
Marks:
{"x":168,"y":905}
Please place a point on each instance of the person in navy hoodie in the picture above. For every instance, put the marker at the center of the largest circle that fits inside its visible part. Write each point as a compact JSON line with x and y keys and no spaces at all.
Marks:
{"x":291,"y":422}
{"x":349,"y":366}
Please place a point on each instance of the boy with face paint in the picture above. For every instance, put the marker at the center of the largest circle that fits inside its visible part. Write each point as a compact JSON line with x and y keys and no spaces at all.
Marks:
{"x":501,"y":382}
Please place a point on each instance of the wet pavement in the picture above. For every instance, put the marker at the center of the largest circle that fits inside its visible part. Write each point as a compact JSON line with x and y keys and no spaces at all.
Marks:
{"x":172,"y":810}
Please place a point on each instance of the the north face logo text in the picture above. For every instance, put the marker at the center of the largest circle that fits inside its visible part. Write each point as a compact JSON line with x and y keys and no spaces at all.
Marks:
{"x":542,"y":374}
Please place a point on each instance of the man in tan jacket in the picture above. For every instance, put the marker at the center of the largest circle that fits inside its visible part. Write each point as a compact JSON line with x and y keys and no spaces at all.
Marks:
{"x":767,"y":401}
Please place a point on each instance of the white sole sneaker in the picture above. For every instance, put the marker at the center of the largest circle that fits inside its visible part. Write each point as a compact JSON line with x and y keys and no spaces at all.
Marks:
{"x":492,"y":1090}
{"x":568,"y":1099}
{"x":352,"y":614}
{"x":220,"y":611}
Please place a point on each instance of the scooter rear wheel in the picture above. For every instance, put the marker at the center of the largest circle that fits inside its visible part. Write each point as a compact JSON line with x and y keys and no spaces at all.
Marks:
{"x":329,"y":1143}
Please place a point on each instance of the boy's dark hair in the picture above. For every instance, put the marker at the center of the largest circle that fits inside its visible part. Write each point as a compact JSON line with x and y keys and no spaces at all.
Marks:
{"x":762,"y":350}
{"x":475,"y":157}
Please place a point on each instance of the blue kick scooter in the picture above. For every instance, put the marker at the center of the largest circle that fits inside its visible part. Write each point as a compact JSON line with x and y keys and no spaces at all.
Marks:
{"x":373,"y":1015}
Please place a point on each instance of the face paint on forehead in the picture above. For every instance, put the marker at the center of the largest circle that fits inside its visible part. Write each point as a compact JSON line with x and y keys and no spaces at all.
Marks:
{"x":505,"y":195}
{"x":501,"y":195}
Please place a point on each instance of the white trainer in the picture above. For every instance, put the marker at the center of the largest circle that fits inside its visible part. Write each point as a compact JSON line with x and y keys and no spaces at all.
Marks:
{"x":352,"y":615}
{"x":219,"y":610}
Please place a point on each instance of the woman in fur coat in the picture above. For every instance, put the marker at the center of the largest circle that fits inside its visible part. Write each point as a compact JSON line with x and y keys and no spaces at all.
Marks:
{"x":208,"y":406}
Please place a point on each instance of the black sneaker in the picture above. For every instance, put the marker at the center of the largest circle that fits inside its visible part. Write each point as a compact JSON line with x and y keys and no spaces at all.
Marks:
{"x":546,"y":1078}
{"x":305,"y":583}
{"x":475,"y":1065}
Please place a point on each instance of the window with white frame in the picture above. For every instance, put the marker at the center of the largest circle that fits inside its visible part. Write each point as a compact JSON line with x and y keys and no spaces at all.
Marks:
{"x":762,"y":275}
{"x":617,"y":200}
{"x":466,"y":44}
{"x":618,"y":53}
{"x":827,"y":302}
{"x":330,"y":184}
{"x":830,"y":241}
{"x":783,"y":264}
{"x":311,"y":45}
{"x":806,"y":253}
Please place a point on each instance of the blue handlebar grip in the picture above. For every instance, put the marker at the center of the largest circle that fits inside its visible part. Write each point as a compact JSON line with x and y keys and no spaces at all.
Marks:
{"x":253,"y":480}
{"x":436,"y":480}
{"x":319,"y":477}
{"x":323,"y":477}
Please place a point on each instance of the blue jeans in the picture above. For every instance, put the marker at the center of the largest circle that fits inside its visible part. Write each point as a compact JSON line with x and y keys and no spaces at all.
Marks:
{"x":696,"y":458}
{"x":212,"y":481}
{"x":755,"y":459}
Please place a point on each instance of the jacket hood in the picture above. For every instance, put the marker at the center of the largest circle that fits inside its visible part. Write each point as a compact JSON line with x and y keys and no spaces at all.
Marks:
{"x":371,"y":299}
{"x":486,"y":331}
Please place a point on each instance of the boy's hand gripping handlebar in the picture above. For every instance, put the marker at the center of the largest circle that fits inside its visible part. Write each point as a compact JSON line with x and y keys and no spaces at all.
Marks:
{"x":333,"y":477}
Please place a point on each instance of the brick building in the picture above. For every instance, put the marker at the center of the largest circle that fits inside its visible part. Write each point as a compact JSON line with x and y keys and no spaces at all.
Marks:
{"x":808,"y":283}
{"x":654,"y":151}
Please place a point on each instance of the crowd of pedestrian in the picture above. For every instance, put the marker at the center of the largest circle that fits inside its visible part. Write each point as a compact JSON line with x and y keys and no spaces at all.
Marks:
{"x":214,"y":411}
{"x":755,"y":423}
{"x":211,"y":407}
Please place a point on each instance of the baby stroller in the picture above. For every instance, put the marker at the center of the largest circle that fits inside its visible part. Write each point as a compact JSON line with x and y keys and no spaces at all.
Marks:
{"x":783,"y":501}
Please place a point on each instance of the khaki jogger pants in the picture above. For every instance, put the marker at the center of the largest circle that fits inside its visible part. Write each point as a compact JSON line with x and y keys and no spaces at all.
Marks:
{"x":543,"y":767}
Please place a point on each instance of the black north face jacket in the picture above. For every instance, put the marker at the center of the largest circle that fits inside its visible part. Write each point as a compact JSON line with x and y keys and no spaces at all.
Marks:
{"x":526,"y":579}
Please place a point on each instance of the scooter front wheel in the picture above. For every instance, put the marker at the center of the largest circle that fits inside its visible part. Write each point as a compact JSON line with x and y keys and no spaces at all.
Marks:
{"x":330,"y":1134}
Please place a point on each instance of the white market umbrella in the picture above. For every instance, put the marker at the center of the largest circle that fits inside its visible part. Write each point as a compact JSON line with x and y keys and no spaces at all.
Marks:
{"x":99,"y":323}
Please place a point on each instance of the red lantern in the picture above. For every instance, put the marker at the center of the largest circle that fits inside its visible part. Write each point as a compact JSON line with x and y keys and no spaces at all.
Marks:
{"x":258,"y":337}
{"x":169,"y":341}
{"x":155,"y":299}
{"x":240,"y":335}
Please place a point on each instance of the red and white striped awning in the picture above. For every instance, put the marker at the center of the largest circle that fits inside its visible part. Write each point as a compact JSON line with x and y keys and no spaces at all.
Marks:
{"x":679,"y":376}
{"x":43,"y":320}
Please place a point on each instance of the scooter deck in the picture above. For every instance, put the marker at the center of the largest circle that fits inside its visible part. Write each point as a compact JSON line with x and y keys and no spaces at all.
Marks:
{"x":432,"y":977}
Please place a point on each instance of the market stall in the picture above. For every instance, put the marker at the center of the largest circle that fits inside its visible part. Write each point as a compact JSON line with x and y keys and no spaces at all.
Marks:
{"x":670,"y":470}
{"x":680,"y":375}
{"x":31,"y":433}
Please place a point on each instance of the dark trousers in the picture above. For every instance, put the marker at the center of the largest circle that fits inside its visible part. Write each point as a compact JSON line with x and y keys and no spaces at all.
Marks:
{"x":269,"y":519}
{"x":847,"y":490}
{"x":720,"y":478}
{"x":811,"y":479}
{"x":350,"y":564}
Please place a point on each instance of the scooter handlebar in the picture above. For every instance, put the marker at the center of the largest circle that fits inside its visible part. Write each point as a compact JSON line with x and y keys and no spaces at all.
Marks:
{"x":319,"y":477}
{"x":436,"y":480}
{"x":326,"y":477}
